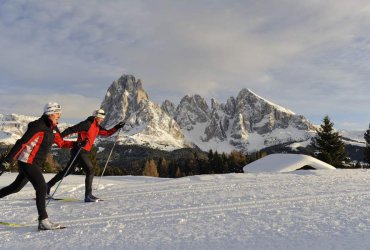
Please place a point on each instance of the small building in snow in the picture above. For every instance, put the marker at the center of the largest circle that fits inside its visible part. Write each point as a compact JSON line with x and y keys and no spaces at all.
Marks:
{"x":285,"y":163}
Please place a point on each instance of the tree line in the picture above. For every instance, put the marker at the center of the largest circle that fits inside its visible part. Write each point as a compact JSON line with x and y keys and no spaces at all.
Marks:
{"x":213,"y":163}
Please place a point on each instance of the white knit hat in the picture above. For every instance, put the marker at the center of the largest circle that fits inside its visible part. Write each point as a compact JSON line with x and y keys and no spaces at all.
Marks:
{"x":99,"y":113}
{"x":52,"y":108}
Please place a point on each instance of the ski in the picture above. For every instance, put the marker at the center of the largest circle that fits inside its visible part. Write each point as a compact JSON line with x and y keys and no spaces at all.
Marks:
{"x":10,"y":224}
{"x":18,"y":225}
{"x":72,"y":200}
{"x":98,"y":200}
{"x":67,"y":199}
{"x":61,"y":227}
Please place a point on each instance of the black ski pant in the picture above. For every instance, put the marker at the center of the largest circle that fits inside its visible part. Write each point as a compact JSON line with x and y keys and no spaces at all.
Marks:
{"x":84,"y":161}
{"x":32,"y":173}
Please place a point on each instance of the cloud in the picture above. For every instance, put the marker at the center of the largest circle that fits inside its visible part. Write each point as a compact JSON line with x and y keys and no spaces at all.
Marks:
{"x":306,"y":55}
{"x":74,"y":107}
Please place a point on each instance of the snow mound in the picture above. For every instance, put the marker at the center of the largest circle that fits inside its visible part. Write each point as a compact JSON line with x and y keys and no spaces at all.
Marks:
{"x":285,"y":163}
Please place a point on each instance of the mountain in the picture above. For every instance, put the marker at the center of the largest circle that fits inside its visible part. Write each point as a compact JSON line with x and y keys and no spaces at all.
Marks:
{"x":246,"y":122}
{"x":146,"y":123}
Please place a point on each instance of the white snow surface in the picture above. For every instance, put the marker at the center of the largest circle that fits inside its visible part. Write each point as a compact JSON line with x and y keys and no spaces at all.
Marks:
{"x":299,"y":210}
{"x":285,"y":163}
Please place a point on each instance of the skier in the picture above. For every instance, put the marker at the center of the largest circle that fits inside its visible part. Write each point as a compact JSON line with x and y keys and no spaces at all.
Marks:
{"x":87,"y":131}
{"x":31,"y":151}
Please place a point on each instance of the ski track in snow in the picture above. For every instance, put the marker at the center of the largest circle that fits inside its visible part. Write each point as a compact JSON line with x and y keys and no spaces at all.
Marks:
{"x":301,"y":210}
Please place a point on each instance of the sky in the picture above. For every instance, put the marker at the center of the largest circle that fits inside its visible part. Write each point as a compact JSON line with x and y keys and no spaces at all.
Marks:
{"x":309,"y":56}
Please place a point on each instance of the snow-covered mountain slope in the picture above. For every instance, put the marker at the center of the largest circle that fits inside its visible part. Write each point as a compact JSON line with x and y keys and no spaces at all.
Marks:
{"x":302,"y":210}
{"x":353,"y":137}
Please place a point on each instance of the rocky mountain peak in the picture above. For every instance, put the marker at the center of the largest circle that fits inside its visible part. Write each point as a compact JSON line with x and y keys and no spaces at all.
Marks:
{"x":169,"y":108}
{"x":123,"y":96}
{"x":245,"y":92}
{"x":146,"y":122}
{"x":215,"y":104}
{"x":230,"y":106}
{"x":132,"y":87}
{"x":192,"y":110}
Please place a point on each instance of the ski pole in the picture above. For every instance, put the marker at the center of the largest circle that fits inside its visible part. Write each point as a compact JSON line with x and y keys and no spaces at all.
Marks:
{"x":70,"y":165}
{"x":110,"y":154}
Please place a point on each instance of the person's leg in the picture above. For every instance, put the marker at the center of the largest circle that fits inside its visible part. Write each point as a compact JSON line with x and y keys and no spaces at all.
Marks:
{"x":34,"y":175}
{"x":87,"y":165}
{"x":15,"y":186}
{"x":63,"y":172}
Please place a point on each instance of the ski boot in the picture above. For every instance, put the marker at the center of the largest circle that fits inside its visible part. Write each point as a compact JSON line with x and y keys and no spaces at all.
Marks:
{"x":46,"y":224}
{"x":91,"y":198}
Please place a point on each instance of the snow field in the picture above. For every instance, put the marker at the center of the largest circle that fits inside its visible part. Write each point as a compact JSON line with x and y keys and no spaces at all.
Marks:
{"x":298,"y":210}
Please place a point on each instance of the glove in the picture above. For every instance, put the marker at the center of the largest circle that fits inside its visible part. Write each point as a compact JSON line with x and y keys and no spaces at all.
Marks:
{"x":81,"y":144}
{"x":4,"y":165}
{"x":119,"y":125}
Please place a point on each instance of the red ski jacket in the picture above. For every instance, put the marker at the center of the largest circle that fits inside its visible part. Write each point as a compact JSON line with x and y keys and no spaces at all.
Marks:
{"x":88,"y":129}
{"x":33,"y":146}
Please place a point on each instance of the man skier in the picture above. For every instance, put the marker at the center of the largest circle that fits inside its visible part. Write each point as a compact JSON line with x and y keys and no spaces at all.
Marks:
{"x":87,"y":131}
{"x":31,"y":151}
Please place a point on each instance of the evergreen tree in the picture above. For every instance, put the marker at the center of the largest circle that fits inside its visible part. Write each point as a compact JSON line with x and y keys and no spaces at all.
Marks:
{"x":233,"y":162}
{"x":192,"y":163}
{"x":214,"y":162}
{"x":163,"y":168}
{"x":225,"y":164}
{"x":178,"y":173}
{"x":237,"y":161}
{"x":217,"y":164}
{"x":210,"y":156}
{"x":329,"y":146}
{"x":150,"y":169}
{"x":199,"y":163}
{"x":204,"y":164}
{"x":172,"y":169}
{"x":367,"y":148}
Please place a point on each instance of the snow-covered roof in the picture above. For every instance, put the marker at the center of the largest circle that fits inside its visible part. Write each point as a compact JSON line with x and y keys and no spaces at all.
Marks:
{"x":285,"y":163}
